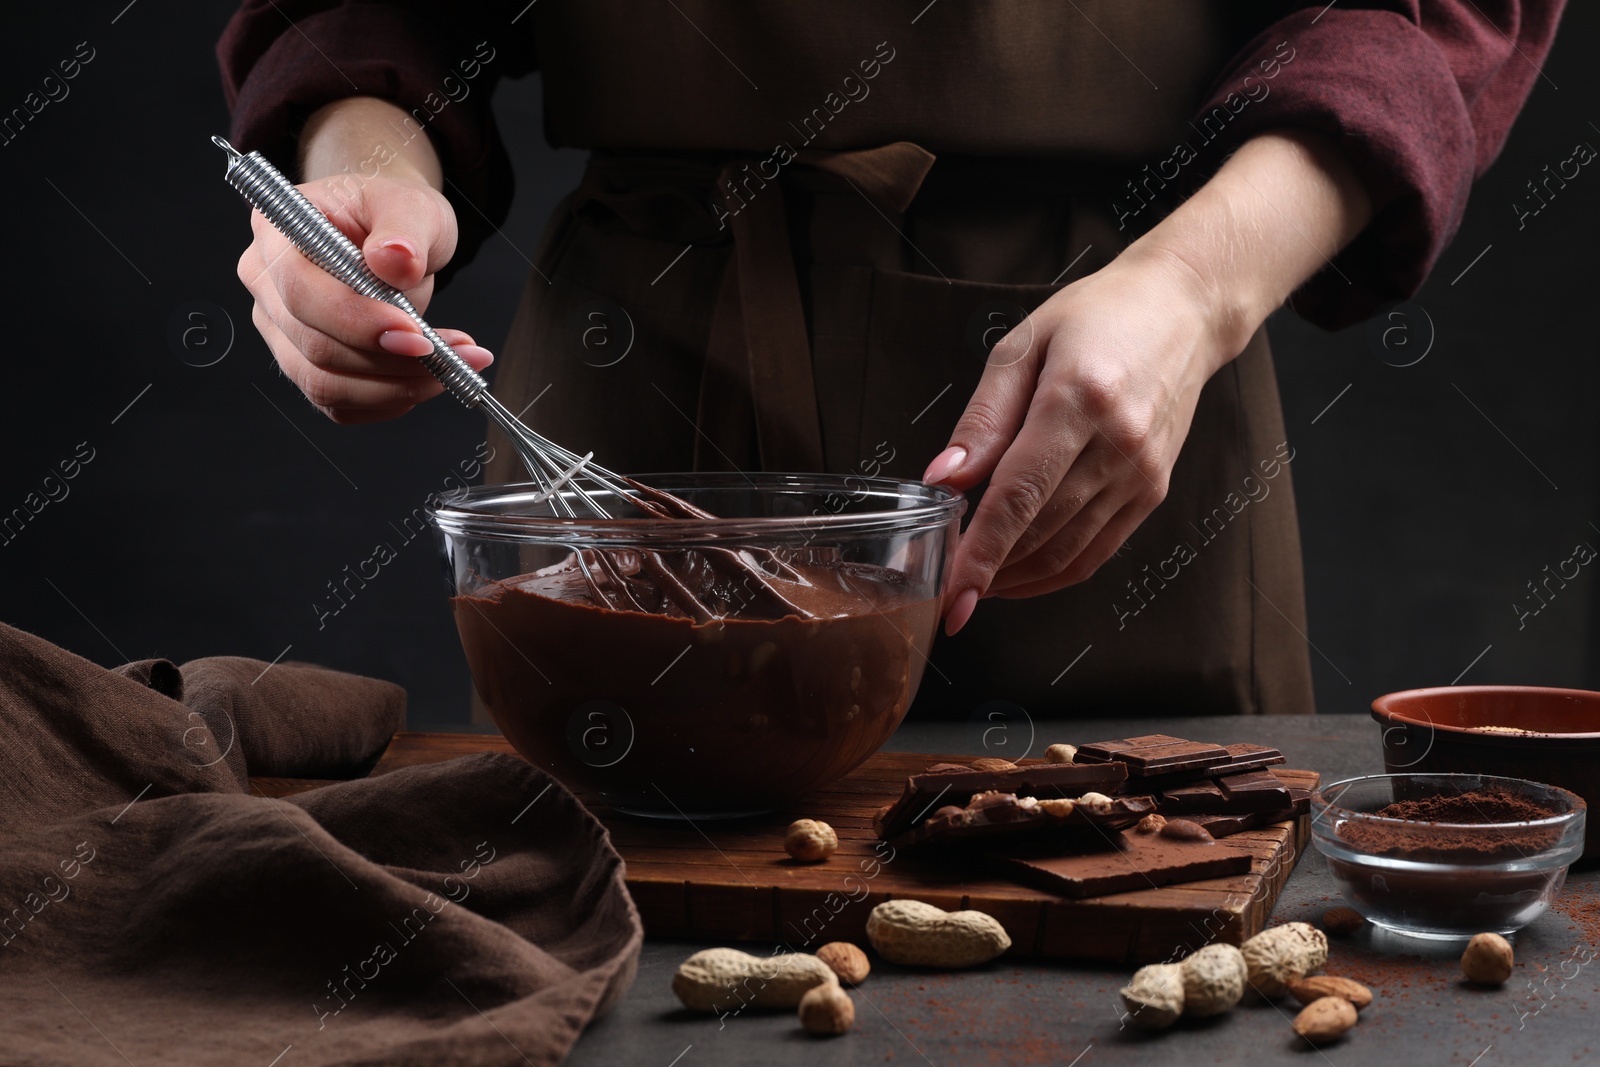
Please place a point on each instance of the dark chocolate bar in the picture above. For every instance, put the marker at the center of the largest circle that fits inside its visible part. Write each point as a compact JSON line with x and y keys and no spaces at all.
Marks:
{"x":1101,"y":751}
{"x":1155,"y":754}
{"x":1223,"y":825}
{"x":1201,"y":798}
{"x":958,"y":785}
{"x":1253,"y":791}
{"x":1087,"y":822}
{"x":1229,"y":795}
{"x":1239,"y":764}
{"x":1143,"y":861}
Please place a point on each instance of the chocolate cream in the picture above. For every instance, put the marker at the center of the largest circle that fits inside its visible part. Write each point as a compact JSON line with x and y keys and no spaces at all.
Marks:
{"x":698,"y":681}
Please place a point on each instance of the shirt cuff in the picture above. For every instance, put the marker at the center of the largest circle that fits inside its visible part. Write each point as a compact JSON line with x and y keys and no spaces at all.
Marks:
{"x":276,"y":74}
{"x":1381,"y":88}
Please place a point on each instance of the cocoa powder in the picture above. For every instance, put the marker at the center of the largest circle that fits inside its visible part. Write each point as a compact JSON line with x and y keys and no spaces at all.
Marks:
{"x":1438,"y":828}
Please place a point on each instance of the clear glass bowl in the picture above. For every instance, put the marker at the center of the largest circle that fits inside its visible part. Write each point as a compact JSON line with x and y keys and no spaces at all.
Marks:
{"x":1447,"y":879}
{"x":664,"y":715}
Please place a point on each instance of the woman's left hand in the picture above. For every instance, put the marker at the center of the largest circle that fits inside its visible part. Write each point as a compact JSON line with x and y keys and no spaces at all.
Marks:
{"x":1082,"y":409}
{"x":1077,"y":422}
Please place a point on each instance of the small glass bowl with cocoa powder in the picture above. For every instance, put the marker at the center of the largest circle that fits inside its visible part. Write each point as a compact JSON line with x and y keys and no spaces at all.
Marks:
{"x":1448,"y":855}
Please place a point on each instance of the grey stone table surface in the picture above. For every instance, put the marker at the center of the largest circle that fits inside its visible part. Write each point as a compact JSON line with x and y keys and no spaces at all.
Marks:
{"x":1031,"y":1012}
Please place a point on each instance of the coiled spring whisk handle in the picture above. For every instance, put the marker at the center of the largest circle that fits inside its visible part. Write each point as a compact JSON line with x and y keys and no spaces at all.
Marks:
{"x":309,"y":230}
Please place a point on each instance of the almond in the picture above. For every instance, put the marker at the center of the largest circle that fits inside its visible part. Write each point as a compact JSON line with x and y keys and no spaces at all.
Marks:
{"x":1184,"y":830}
{"x":1324,"y":1019}
{"x":990,"y":763}
{"x":1308,"y":990}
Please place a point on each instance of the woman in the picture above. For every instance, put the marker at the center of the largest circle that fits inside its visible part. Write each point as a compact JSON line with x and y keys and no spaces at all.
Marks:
{"x":817,"y":221}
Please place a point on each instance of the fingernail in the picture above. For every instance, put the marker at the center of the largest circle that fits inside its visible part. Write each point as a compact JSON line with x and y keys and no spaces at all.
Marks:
{"x":960,"y":612}
{"x":944,"y":465}
{"x":471,"y":353}
{"x":400,"y":244}
{"x":404,"y":343}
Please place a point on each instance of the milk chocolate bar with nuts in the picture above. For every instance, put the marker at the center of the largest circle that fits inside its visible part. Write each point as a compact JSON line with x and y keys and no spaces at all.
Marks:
{"x":1079,"y":823}
{"x":957,"y":785}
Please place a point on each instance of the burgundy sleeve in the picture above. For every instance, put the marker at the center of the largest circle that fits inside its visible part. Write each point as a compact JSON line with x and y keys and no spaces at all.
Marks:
{"x":283,"y":59}
{"x":1420,"y":95}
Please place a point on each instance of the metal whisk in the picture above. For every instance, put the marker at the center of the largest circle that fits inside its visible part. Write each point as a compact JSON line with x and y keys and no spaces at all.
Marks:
{"x":551,"y":466}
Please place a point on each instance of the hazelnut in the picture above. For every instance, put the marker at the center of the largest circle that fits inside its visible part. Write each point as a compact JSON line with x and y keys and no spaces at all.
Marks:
{"x":1341,"y":922}
{"x":1098,"y":803}
{"x":1151,"y":824}
{"x":1487,"y":960}
{"x":1061,"y":753}
{"x":827,"y":1010}
{"x":846,"y":960}
{"x":810,"y":841}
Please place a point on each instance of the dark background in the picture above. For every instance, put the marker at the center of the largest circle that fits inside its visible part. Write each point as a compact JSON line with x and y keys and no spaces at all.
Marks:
{"x":218,"y":506}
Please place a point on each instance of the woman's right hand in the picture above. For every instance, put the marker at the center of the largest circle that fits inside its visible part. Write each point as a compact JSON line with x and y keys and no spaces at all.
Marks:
{"x":356,"y":358}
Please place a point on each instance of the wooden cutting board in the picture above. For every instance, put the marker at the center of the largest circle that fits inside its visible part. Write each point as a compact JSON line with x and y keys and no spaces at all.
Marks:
{"x":731,"y":881}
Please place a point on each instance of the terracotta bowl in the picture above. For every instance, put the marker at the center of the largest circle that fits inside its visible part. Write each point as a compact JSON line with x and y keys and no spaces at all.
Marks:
{"x":1440,"y":730}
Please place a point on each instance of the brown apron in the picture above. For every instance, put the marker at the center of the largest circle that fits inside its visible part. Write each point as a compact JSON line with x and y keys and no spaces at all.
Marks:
{"x":697,"y":306}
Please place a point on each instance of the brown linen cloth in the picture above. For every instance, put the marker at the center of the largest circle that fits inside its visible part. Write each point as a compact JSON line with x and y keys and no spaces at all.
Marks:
{"x":151,"y":911}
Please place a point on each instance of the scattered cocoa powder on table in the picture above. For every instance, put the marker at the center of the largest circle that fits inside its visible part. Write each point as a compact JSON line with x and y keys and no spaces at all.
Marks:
{"x":1431,"y":837}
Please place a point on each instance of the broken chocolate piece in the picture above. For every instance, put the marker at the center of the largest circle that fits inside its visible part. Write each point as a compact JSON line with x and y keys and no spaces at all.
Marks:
{"x":1141,"y":862}
{"x":1229,"y":795}
{"x":1253,"y":791}
{"x":1101,"y":751}
{"x":1086,"y":822}
{"x":1190,"y":754}
{"x":1201,"y":798}
{"x":1300,"y":799}
{"x":1223,"y":825}
{"x":1156,"y":753}
{"x":1247,"y":757}
{"x":932,"y":789}
{"x":1171,"y":779}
